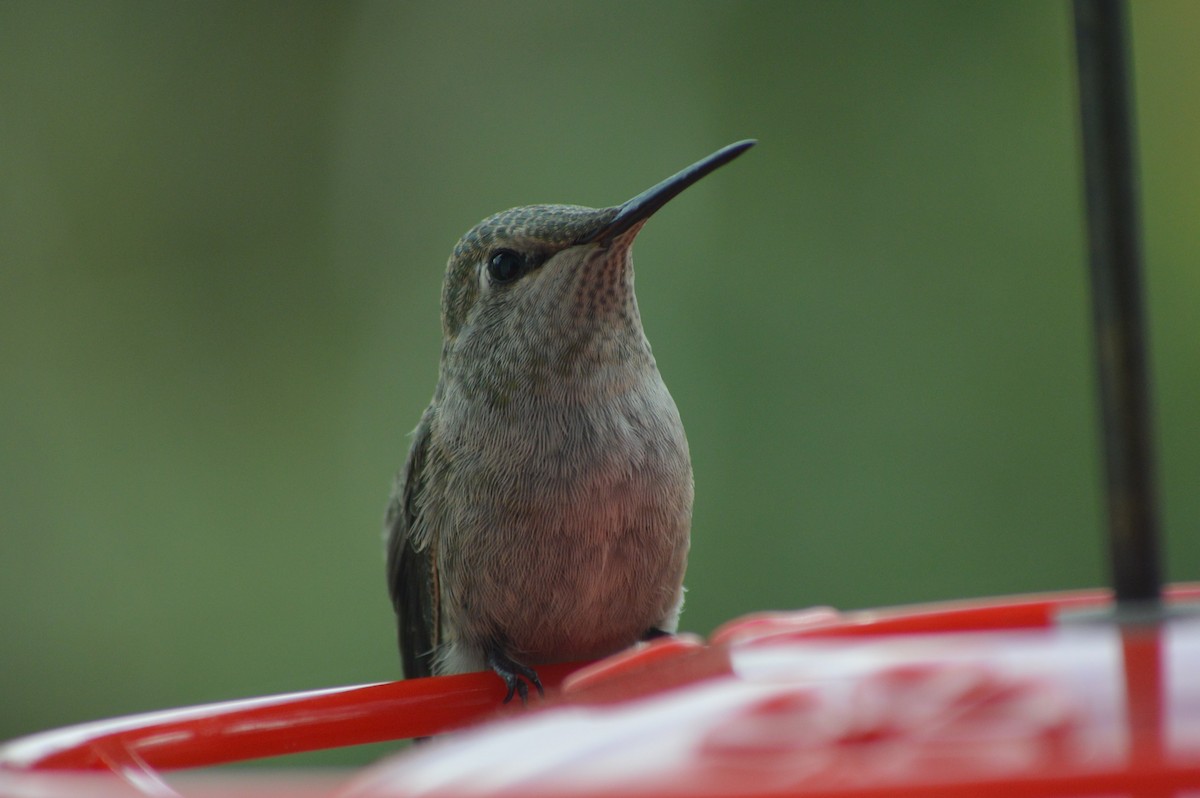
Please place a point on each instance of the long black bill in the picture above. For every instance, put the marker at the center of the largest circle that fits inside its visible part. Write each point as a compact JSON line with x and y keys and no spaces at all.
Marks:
{"x":645,"y":204}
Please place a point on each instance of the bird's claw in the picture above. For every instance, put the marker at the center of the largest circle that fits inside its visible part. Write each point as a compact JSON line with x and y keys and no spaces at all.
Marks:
{"x":514,"y":675}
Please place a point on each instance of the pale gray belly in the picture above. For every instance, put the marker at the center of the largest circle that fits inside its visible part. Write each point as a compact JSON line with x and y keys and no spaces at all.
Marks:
{"x":567,"y":536}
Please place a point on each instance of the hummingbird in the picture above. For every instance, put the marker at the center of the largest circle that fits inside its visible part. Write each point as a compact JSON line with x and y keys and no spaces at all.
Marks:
{"x":544,"y":511}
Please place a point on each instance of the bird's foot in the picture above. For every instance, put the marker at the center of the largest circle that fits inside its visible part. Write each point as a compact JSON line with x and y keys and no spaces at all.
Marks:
{"x":514,"y":675}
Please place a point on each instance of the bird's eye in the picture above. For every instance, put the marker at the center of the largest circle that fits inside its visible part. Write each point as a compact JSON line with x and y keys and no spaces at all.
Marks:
{"x":504,"y":266}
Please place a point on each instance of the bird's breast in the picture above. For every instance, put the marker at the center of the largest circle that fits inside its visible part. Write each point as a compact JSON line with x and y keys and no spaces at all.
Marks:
{"x":570,"y":519}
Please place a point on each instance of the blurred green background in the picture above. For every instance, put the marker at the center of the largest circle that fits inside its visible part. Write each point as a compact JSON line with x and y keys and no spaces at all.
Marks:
{"x":221,"y":244}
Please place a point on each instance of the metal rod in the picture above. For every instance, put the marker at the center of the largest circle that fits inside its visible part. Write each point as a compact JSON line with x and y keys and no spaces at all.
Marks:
{"x":1114,"y":244}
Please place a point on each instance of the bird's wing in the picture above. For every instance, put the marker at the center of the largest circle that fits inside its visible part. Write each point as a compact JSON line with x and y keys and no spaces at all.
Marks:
{"x":411,"y":565}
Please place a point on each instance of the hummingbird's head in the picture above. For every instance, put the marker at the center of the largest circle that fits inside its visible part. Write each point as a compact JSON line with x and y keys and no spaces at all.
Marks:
{"x":502,"y":262}
{"x":539,"y":282}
